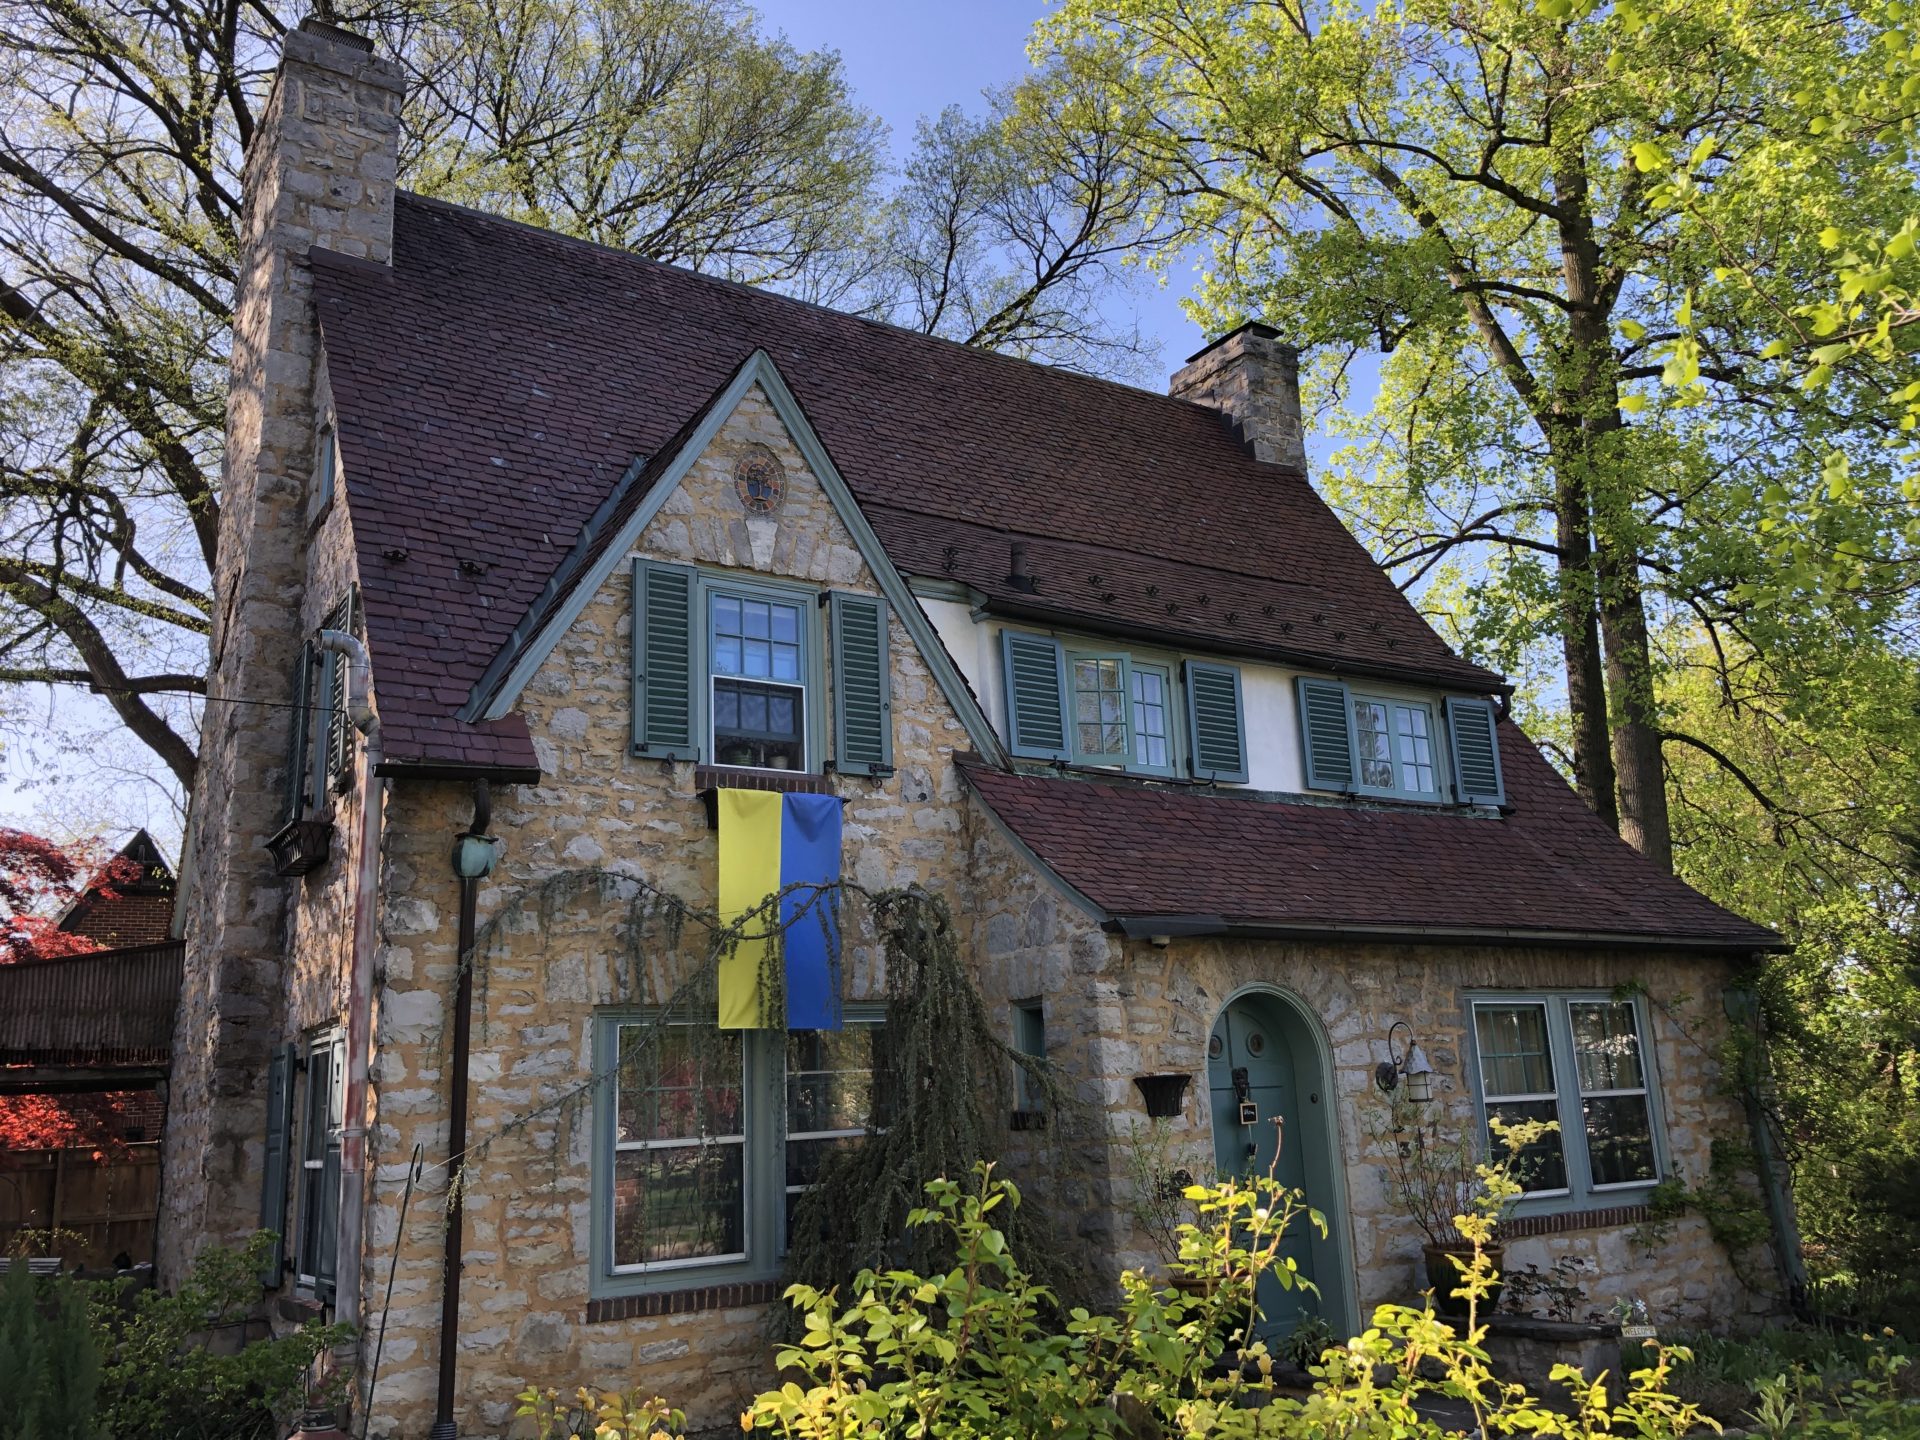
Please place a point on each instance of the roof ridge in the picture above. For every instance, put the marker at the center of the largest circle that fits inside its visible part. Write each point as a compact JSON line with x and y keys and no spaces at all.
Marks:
{"x":562,"y":238}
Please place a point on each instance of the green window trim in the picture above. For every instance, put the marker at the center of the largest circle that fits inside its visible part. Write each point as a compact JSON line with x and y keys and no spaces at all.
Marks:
{"x":1403,"y":724}
{"x":1029,"y":1038}
{"x":1142,"y":676}
{"x":763,"y":1170}
{"x":1571,"y":1098}
{"x":672,"y":690}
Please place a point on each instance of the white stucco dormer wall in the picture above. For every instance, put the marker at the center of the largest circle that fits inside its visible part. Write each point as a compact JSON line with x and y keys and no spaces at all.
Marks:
{"x":1269,"y":699}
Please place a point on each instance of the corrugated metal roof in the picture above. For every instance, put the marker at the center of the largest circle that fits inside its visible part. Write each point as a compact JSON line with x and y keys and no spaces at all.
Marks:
{"x":113,"y":1007}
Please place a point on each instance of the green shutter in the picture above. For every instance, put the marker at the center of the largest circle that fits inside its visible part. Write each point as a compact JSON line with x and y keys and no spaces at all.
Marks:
{"x":1326,"y":734}
{"x":862,"y":700}
{"x":663,"y":653}
{"x":1217,"y":733}
{"x":1476,"y":752}
{"x":273,"y":1186}
{"x":1036,"y":677}
{"x":299,"y":734}
{"x":340,"y":732}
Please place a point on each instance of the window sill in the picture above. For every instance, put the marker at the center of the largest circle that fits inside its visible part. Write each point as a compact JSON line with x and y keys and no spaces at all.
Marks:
{"x":650,"y":1303}
{"x":1559,"y":1222}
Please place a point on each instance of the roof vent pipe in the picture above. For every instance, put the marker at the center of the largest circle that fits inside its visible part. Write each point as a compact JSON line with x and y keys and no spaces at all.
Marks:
{"x":1017,"y":576}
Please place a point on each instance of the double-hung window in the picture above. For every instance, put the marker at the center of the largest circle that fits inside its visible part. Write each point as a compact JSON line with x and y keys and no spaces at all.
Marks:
{"x":757,"y":662}
{"x":1393,"y":743}
{"x":707,"y":1138}
{"x":323,"y":1112}
{"x":1581,"y":1060}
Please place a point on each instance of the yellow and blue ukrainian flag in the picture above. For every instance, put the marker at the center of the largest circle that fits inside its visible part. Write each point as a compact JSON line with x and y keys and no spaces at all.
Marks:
{"x":769,"y":842}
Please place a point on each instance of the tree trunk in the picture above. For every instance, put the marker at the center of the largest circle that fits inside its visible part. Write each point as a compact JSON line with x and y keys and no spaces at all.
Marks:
{"x":1636,"y":730}
{"x":1580,"y":647}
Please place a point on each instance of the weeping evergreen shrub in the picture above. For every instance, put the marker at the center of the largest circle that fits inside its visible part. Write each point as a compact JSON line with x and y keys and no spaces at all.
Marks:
{"x":49,"y":1359}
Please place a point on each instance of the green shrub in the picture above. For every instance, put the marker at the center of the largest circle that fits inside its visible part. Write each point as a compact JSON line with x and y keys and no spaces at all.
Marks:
{"x":163,"y":1381}
{"x":969,"y":1353}
{"x":1822,"y":1377}
{"x":49,"y":1359}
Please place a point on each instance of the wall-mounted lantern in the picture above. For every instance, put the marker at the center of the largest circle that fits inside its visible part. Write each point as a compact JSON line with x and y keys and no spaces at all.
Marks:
{"x":1409,"y":1063}
{"x":1164,"y":1094}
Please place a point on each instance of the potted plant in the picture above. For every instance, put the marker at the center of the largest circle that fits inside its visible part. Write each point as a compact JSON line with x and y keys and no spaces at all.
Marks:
{"x":1439,"y":1178}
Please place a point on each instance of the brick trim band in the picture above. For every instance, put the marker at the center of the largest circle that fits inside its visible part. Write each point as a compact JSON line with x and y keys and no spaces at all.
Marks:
{"x":714,"y":777}
{"x":1519,"y":1228}
{"x":682,"y":1302}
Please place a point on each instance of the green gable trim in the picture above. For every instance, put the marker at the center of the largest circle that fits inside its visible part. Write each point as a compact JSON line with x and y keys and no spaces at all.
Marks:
{"x":493,"y":702}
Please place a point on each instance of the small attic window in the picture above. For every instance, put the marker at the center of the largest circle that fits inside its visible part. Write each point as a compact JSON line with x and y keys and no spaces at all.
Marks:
{"x":326,"y":470}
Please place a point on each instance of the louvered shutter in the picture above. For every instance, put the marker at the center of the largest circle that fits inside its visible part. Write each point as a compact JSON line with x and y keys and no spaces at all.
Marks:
{"x":1036,"y":677}
{"x":333,"y":1112}
{"x":1326,"y":734}
{"x":273,"y":1180}
{"x":1215,"y":725}
{"x":663,"y":660}
{"x":862,"y":698}
{"x":299,"y":735}
{"x":340,"y":732}
{"x":1476,"y":752}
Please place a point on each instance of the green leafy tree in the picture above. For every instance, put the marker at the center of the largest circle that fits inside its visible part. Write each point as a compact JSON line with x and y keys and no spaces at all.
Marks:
{"x":49,"y":1359}
{"x":1451,"y":186}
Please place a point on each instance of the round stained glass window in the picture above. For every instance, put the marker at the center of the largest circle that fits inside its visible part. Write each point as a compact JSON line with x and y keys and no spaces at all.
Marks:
{"x":760,"y":480}
{"x":1215,"y":1046}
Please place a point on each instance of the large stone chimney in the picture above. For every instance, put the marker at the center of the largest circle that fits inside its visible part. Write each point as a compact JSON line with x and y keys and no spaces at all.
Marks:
{"x":1253,"y":378}
{"x":319,"y":172}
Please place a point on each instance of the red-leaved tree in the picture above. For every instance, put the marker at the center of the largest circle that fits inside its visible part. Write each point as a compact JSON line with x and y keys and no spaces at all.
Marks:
{"x":38,"y":879}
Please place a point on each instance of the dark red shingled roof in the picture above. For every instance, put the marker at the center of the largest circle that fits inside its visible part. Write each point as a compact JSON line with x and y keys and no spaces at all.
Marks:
{"x":497,"y":381}
{"x":1550,"y":868}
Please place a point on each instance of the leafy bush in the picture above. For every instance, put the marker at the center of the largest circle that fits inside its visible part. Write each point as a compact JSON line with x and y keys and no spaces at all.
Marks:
{"x":1818,"y":1376}
{"x":163,"y":1381}
{"x":49,"y":1359}
{"x":969,"y":1353}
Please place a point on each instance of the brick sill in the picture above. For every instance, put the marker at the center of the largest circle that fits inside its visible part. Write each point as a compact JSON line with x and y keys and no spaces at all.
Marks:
{"x":1519,"y":1227}
{"x":683,"y":1302}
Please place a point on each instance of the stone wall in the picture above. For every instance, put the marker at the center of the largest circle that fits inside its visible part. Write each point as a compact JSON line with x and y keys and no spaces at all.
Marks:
{"x":526,"y":1280}
{"x":319,"y":172}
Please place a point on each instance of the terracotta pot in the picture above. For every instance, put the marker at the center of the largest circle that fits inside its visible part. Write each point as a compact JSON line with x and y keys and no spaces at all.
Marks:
{"x":1443,"y":1277}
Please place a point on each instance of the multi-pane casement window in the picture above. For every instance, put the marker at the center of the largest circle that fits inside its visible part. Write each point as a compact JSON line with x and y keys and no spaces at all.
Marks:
{"x":1360,"y":742}
{"x":707,"y":1138}
{"x":1119,"y":710}
{"x":322,"y":1109}
{"x":1581,"y":1060}
{"x":736,"y":671}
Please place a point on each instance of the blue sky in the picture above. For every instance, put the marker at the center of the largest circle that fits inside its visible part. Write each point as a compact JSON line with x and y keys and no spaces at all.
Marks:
{"x":914,"y":58}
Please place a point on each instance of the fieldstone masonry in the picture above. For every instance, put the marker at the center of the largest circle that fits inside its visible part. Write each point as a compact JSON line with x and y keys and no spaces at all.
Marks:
{"x":1251,"y":376}
{"x":320,"y":172}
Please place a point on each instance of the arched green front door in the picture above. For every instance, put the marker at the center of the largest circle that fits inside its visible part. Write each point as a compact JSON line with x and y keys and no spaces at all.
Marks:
{"x":1264,"y":1064}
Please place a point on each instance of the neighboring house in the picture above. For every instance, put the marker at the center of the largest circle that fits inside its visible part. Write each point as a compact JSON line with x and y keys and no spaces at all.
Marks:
{"x":1208,"y":796}
{"x":84,"y":1044}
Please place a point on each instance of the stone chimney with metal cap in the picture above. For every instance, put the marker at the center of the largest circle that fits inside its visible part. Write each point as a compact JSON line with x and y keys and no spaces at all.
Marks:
{"x":319,"y":174}
{"x":1252,"y":377}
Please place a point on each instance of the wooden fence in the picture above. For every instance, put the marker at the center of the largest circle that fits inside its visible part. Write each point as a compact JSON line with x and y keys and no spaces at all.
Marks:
{"x":99,"y":1210}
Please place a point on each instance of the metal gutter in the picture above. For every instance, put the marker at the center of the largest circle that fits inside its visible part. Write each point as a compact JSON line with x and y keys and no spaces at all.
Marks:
{"x":1146,"y":926}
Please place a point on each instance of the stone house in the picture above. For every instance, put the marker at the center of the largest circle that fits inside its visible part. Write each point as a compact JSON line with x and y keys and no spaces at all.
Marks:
{"x":520,"y":525}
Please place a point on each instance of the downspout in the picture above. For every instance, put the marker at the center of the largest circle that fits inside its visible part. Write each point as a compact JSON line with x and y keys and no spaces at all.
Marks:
{"x":1743,"y":1008}
{"x":353,"y":1130}
{"x":473,"y":856}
